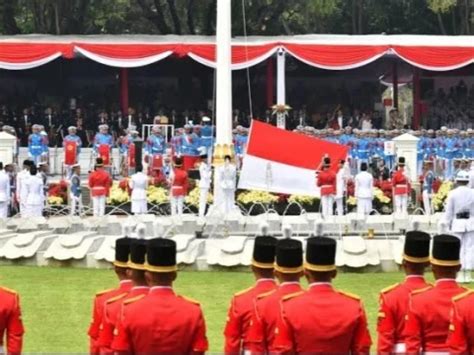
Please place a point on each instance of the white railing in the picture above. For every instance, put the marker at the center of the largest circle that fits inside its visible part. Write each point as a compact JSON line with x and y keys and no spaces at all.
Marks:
{"x":166,"y":129}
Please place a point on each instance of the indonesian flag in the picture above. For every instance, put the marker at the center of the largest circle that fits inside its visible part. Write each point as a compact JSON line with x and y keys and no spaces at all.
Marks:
{"x":285,"y":162}
{"x":70,"y":152}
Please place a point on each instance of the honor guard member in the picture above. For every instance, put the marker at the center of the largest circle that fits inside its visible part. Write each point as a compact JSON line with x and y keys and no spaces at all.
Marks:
{"x":179,"y":187}
{"x":188,"y":149}
{"x":427,"y":322}
{"x":5,"y":194}
{"x":459,"y":217}
{"x":393,"y":301}
{"x":461,"y":331}
{"x":139,"y":184}
{"x":127,"y":151}
{"x":266,"y":315}
{"x":122,"y":254}
{"x":322,"y":319}
{"x":34,"y":187}
{"x":326,"y":181}
{"x":21,"y":191}
{"x":99,"y":183}
{"x":155,"y":148}
{"x":451,"y":152}
{"x":205,"y":176}
{"x":207,"y":135}
{"x":241,"y":307}
{"x":11,"y":324}
{"x":72,"y":145}
{"x":364,"y":190}
{"x":428,"y":179}
{"x":113,"y":306}
{"x":76,"y":191}
{"x":401,"y":188}
{"x":161,"y":322}
{"x":103,"y":143}
{"x":36,"y":145}
{"x":342,"y":177}
{"x":228,"y":181}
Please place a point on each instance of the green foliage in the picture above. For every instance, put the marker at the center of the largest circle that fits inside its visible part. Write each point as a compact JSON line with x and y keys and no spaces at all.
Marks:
{"x":441,"y":6}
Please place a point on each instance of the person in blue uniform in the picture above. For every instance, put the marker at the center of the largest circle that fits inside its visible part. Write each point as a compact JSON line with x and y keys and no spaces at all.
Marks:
{"x":155,"y":144}
{"x":207,"y":135}
{"x":451,"y":152}
{"x":36,"y":145}
{"x":72,"y":137}
{"x":103,"y":137}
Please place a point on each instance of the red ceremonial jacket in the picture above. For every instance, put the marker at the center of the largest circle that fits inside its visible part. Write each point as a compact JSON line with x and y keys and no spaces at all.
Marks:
{"x":100,"y":183}
{"x":401,"y":185}
{"x":98,"y":313}
{"x":179,"y":185}
{"x":161,"y":322}
{"x":239,"y":315}
{"x":323,"y":320}
{"x":393,"y":307}
{"x":327,"y":182}
{"x":266,"y":317}
{"x":427,"y":322}
{"x":461,"y":330}
{"x":10,"y":321}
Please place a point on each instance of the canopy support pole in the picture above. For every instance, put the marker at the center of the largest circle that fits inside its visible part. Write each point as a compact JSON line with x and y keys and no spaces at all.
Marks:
{"x":123,"y":77}
{"x":281,"y":88}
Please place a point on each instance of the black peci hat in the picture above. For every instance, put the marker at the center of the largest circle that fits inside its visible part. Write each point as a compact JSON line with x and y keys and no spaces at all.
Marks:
{"x":264,"y":252}
{"x":289,"y":256}
{"x":401,"y":161}
{"x":137,"y":254}
{"x":327,"y":161}
{"x":122,"y":252}
{"x":417,"y":247}
{"x":161,"y":255}
{"x":320,"y":254}
{"x":446,"y":250}
{"x":99,"y":162}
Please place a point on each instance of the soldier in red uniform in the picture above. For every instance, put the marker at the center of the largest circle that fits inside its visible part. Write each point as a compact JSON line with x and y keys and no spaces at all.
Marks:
{"x":161,"y":322}
{"x":401,"y":188}
{"x":288,"y":270}
{"x":179,"y":187}
{"x":326,"y":181}
{"x":10,"y":322}
{"x":99,"y":183}
{"x":394,"y":299}
{"x":113,"y":305}
{"x":122,"y":252}
{"x":427,"y":321}
{"x":461,"y":330}
{"x":322,"y":319}
{"x":239,"y":315}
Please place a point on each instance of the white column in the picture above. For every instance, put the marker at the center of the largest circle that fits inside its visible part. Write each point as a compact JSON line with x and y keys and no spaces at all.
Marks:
{"x":281,"y":88}
{"x":223,"y":73}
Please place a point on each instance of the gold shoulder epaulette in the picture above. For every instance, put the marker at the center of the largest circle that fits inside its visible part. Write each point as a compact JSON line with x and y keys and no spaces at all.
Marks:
{"x":9,"y":290}
{"x":190,"y":300}
{"x":462,"y":295}
{"x":116,"y":298}
{"x":421,"y":290}
{"x":265,"y":294}
{"x":133,"y":299}
{"x":100,"y":293}
{"x":243,"y":291}
{"x":389,"y":288}
{"x":292,"y":295}
{"x":350,"y":295}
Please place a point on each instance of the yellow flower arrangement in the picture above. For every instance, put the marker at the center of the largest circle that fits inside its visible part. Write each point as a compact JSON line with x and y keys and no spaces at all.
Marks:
{"x":157,"y":195}
{"x":440,"y":197}
{"x":252,"y":196}
{"x":351,"y":201}
{"x":379,"y":196}
{"x":193,"y":197}
{"x":302,"y":199}
{"x":55,"y":200}
{"x":117,"y":196}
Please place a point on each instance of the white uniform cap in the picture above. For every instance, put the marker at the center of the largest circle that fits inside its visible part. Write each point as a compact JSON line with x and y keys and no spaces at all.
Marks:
{"x":206,"y":119}
{"x":72,"y":128}
{"x":462,"y":175}
{"x":103,"y":126}
{"x":155,"y":129}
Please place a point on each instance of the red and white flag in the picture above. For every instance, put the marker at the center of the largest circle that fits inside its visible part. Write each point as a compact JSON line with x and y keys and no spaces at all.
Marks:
{"x":285,"y":162}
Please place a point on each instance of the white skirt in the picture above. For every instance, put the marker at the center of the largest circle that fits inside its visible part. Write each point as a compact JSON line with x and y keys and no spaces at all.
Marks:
{"x":139,"y":206}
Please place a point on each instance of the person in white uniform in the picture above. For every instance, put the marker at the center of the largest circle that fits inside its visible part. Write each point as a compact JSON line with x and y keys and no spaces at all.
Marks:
{"x":4,"y":192}
{"x":471,"y":175}
{"x":205,"y":174}
{"x":34,"y":194}
{"x":20,"y":185}
{"x":364,"y":190}
{"x":459,"y":218}
{"x":139,"y":184}
{"x":227,"y":178}
{"x":343,"y":175}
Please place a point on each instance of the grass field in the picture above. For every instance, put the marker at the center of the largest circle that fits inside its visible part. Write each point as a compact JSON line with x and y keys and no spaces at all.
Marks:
{"x":56,"y":302}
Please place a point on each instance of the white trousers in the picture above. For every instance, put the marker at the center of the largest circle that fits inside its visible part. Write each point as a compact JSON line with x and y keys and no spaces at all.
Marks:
{"x":98,"y":205}
{"x":427,"y":202}
{"x":228,"y":200}
{"x":203,"y":192}
{"x":177,"y":204}
{"x":340,"y":206}
{"x":76,"y":205}
{"x":326,"y":205}
{"x":401,"y":202}
{"x":364,"y":205}
{"x":4,"y":209}
{"x":467,"y":250}
{"x":139,"y":206}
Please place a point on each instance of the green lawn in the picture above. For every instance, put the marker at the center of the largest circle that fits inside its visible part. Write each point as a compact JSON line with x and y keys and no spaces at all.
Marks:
{"x":56,"y":302}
